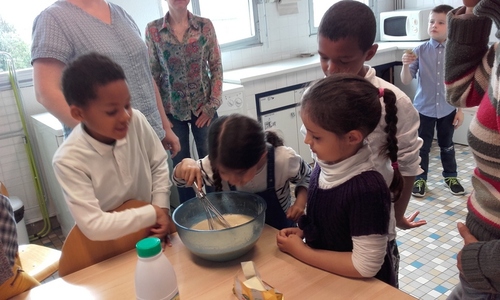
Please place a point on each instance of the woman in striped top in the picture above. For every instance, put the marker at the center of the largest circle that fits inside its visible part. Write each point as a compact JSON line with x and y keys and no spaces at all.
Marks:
{"x":472,"y":79}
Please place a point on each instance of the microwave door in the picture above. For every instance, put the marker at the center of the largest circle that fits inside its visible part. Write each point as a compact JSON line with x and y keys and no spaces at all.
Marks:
{"x":395,"y":28}
{"x":408,"y":26}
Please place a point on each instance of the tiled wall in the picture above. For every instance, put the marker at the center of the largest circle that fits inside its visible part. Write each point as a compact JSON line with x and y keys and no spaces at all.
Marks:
{"x":15,"y":171}
{"x":287,"y":36}
{"x":14,"y":166}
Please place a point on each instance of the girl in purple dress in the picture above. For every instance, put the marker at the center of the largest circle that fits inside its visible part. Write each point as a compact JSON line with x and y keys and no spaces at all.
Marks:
{"x":348,"y":203}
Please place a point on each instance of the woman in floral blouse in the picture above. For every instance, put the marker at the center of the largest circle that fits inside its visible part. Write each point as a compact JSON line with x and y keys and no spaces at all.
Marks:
{"x":185,"y":61}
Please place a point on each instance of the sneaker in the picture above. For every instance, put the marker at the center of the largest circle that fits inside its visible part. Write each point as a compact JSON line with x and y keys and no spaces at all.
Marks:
{"x":419,"y":188}
{"x":454,"y":186}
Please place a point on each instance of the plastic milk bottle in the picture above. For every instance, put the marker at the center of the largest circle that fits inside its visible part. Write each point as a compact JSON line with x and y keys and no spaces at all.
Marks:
{"x":154,"y":275}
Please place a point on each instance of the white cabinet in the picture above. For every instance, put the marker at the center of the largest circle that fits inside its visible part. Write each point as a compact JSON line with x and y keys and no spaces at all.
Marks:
{"x":49,"y":136}
{"x":280,"y":110}
{"x":276,"y":101}
{"x":285,"y":122}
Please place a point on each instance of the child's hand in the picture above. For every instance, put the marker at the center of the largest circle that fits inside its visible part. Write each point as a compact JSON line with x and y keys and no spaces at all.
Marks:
{"x":291,"y":230}
{"x":468,"y":239}
{"x":288,"y":242}
{"x":468,"y":10}
{"x":471,"y":3}
{"x":409,"y":221}
{"x":295,"y":212}
{"x":299,"y":206}
{"x":189,"y":171}
{"x":163,"y":225}
{"x":459,"y":119}
{"x":408,"y":57}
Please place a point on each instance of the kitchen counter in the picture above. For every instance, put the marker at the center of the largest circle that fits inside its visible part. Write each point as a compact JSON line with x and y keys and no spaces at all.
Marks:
{"x":387,"y":52}
{"x":201,"y":279}
{"x":231,"y":87}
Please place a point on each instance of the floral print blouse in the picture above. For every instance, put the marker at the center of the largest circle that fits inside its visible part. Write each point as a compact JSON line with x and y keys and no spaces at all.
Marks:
{"x":188,"y":72}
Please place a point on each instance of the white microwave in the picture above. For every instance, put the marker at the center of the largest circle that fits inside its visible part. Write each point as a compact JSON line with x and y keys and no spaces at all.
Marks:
{"x":404,"y":25}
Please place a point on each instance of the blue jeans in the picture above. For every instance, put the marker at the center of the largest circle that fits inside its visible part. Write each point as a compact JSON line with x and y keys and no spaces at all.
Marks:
{"x":395,"y":259}
{"x":464,"y":291}
{"x":181,"y":129}
{"x":445,"y":130}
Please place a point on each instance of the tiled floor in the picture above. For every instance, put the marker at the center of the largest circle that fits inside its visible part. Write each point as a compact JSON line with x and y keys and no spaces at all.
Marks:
{"x":428,"y":254}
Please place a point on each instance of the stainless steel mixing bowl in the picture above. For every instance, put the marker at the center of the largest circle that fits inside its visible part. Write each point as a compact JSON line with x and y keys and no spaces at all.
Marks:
{"x":224,"y":244}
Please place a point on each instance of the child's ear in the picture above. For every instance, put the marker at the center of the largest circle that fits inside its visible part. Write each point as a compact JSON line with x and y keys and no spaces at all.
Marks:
{"x":264,"y":156}
{"x":355,"y":137}
{"x":76,"y":112}
{"x":370,"y":53}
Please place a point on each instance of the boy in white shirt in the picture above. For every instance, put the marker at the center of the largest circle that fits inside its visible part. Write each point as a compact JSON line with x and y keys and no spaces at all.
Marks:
{"x":112,"y":156}
{"x":344,"y":46}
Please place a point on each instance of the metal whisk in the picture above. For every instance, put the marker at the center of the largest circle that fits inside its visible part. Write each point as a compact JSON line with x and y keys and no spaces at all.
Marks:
{"x":212,"y":213}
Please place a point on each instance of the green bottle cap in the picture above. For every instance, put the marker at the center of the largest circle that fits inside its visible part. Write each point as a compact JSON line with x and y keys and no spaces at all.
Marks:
{"x":148,"y":247}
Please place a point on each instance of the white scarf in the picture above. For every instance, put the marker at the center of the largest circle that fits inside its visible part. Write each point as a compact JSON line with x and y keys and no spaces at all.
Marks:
{"x":332,"y":175}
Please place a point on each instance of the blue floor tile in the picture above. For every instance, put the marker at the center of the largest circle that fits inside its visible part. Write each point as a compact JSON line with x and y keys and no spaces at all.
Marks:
{"x":434,"y":236}
{"x":441,"y":289}
{"x":417,"y":264}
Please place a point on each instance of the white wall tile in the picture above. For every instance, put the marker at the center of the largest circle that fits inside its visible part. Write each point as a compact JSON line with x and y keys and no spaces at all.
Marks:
{"x":291,"y":78}
{"x":8,"y":158}
{"x":7,"y":149}
{"x":281,"y":81}
{"x":15,"y":170}
{"x":270,"y":85}
{"x":302,"y":76}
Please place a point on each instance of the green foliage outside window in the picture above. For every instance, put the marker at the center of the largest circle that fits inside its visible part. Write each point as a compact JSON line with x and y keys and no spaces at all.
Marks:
{"x":12,"y":43}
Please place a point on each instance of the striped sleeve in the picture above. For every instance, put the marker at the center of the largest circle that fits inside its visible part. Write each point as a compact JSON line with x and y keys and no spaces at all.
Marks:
{"x":468,"y":60}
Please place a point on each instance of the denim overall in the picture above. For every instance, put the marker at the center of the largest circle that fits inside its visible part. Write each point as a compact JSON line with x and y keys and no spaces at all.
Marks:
{"x":275,"y":216}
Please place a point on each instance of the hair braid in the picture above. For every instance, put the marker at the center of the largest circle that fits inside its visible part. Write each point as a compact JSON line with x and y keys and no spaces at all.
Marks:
{"x":273,"y":138}
{"x":391,"y":147}
{"x":217,"y":179}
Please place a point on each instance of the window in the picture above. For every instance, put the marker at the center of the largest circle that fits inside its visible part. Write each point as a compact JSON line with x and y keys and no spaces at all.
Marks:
{"x":16,"y":21}
{"x":237,"y":29}
{"x":316,"y":10}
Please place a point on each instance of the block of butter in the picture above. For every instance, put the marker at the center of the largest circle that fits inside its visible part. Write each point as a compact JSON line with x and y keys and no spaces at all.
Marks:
{"x":254,"y":288}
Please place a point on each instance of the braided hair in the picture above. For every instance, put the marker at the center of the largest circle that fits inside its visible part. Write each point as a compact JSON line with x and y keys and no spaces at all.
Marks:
{"x":340,"y":103}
